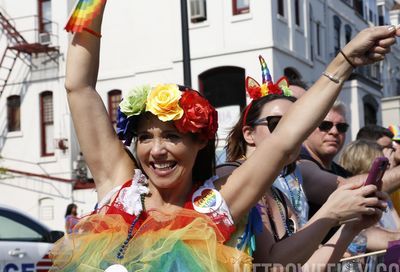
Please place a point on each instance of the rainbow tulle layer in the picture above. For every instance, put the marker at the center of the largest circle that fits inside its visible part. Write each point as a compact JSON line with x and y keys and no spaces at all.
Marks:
{"x":186,"y":241}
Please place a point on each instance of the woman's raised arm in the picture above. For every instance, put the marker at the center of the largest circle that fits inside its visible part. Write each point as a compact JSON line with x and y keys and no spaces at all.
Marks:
{"x":248,"y":182}
{"x":109,"y":164}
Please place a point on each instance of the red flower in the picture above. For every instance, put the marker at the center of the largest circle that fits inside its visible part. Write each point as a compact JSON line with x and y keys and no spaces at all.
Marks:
{"x":254,"y":92}
{"x":198,"y":117}
{"x":274,"y":89}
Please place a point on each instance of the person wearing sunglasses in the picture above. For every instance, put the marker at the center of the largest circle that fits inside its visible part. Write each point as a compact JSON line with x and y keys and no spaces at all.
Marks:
{"x":322,"y":176}
{"x":327,"y":140}
{"x":321,"y":147}
{"x":283,"y":208}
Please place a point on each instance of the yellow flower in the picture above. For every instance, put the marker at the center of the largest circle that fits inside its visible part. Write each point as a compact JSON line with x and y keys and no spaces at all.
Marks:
{"x":163,"y":101}
{"x":264,"y":89}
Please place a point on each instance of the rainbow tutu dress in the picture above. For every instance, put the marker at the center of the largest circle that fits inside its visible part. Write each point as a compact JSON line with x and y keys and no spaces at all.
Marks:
{"x":187,"y":240}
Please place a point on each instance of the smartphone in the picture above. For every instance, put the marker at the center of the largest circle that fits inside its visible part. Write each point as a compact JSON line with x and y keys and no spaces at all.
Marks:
{"x":378,"y":168}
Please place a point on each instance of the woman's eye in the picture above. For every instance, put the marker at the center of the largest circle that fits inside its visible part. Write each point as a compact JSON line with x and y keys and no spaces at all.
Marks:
{"x":143,"y":137}
{"x":172,"y":136}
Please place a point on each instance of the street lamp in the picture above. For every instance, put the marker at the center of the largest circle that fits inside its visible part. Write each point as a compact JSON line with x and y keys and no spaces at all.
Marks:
{"x":187,"y":74}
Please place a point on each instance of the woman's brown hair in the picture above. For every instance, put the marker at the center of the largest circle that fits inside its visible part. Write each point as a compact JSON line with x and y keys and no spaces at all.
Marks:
{"x":236,"y":144}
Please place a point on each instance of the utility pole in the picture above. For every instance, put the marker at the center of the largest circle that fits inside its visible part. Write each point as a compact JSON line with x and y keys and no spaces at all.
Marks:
{"x":187,"y":74}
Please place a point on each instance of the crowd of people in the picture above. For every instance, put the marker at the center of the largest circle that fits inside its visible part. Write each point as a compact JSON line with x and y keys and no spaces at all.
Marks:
{"x":279,"y":200}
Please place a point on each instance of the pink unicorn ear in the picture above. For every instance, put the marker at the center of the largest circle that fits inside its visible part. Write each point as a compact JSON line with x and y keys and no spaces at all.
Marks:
{"x":253,"y":88}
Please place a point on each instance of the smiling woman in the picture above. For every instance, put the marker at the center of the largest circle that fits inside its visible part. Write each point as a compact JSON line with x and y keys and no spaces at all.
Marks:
{"x":172,"y":127}
{"x":167,"y":212}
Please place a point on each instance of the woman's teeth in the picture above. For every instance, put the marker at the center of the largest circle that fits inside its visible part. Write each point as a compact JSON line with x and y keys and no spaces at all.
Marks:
{"x":163,"y":165}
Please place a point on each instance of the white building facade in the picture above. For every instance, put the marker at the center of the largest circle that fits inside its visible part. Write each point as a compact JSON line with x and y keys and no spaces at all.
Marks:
{"x":142,"y":43}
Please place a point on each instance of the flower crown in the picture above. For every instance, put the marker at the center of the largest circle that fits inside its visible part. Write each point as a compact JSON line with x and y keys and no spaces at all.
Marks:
{"x":169,"y":102}
{"x":256,"y":91}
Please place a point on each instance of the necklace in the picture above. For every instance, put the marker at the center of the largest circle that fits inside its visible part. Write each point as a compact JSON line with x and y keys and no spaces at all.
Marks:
{"x":295,"y":201}
{"x":123,"y":246}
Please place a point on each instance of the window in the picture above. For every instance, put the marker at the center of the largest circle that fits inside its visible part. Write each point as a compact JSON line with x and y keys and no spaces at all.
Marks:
{"x":371,"y":16}
{"x":297,"y":12}
{"x":44,"y":16}
{"x":348,"y":2}
{"x":46,"y":123}
{"x":347,"y":33}
{"x":198,"y":11}
{"x":240,"y":6}
{"x":381,"y":15}
{"x":370,"y":109}
{"x":336,"y":34}
{"x":318,"y":30}
{"x":13,"y":113}
{"x":114,"y":98}
{"x":15,"y":231}
{"x":46,"y":211}
{"x":397,"y":87}
{"x":224,"y":86}
{"x":281,"y":8}
{"x":292,"y":74}
{"x":358,"y":7}
{"x":376,"y":71}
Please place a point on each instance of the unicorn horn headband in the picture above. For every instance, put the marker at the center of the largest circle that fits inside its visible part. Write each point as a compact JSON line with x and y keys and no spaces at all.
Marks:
{"x":396,"y":132}
{"x":256,"y":91}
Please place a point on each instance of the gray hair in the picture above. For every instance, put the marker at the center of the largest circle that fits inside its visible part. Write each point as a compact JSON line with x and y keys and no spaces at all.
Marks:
{"x":340,"y":107}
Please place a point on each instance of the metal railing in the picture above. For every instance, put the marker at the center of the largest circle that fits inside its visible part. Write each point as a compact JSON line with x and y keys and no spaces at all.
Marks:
{"x":28,"y":26}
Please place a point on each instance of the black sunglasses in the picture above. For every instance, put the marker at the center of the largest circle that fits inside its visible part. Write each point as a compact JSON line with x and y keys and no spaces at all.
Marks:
{"x":270,"y":121}
{"x":327,"y":125}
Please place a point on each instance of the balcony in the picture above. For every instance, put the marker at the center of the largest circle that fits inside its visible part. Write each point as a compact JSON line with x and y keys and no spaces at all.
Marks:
{"x":44,"y":39}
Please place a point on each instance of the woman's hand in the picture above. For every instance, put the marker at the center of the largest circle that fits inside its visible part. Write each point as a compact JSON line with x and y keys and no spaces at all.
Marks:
{"x":353,"y":200}
{"x":365,"y":221}
{"x":371,"y":44}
